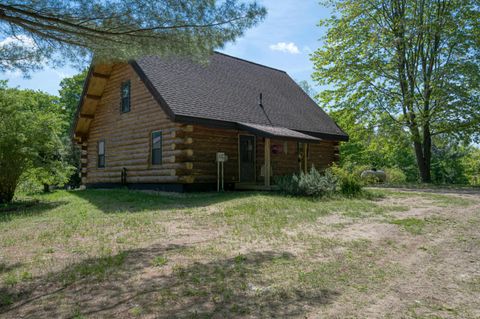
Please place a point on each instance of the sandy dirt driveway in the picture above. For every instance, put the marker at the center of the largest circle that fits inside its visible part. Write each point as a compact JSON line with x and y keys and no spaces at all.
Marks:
{"x":437,"y":252}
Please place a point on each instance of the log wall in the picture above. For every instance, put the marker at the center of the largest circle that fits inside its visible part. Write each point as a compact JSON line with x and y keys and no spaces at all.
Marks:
{"x":206,"y":142}
{"x":286,"y":162}
{"x":127,"y":135}
{"x":323,"y":154}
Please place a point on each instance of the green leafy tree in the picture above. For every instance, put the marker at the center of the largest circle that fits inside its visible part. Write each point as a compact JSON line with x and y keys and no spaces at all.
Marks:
{"x":69,"y":97}
{"x":30,"y":140}
{"x":412,"y":63}
{"x":374,"y":146}
{"x":447,"y":164}
{"x":56,"y":30}
{"x":471,"y":162}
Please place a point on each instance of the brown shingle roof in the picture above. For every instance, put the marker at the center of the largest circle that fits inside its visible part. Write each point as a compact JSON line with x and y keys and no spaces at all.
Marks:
{"x":227,"y":89}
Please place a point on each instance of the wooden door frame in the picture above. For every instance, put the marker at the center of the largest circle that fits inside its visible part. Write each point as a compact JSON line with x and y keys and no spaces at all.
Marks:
{"x":254,"y":157}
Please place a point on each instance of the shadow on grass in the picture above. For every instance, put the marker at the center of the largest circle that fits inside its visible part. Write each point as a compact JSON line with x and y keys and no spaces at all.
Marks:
{"x":115,"y":201}
{"x":25,"y":208}
{"x":124,"y":200}
{"x":128,"y":284}
{"x":6,"y":268}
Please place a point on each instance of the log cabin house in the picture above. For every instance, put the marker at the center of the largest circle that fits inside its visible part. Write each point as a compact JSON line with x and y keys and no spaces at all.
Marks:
{"x":159,"y":123}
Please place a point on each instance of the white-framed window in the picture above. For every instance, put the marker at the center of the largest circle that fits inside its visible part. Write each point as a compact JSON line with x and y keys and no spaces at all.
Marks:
{"x":156,"y":156}
{"x":101,"y":154}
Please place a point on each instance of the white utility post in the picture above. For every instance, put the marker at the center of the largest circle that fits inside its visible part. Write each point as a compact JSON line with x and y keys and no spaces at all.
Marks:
{"x":221,"y":159}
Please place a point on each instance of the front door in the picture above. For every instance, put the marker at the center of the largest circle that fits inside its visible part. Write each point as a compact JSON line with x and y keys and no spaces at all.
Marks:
{"x":247,"y":158}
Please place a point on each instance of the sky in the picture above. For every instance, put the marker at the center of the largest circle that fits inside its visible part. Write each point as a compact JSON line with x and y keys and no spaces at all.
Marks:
{"x":284,"y":40}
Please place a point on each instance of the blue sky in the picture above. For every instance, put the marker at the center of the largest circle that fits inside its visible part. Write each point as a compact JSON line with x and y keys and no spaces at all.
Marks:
{"x":284,"y":40}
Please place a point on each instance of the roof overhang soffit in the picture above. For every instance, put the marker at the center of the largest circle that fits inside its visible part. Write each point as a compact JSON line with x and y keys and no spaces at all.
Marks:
{"x":93,"y":89}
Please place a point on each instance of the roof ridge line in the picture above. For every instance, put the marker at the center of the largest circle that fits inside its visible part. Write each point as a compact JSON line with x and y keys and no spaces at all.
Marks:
{"x":251,"y":62}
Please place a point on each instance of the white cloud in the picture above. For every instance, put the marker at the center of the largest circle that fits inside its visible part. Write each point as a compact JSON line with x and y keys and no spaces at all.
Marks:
{"x":285,"y":47}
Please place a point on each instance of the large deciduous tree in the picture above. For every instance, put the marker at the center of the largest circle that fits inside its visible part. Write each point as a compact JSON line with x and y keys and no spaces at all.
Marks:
{"x":414,"y":63}
{"x":31,"y":143}
{"x":56,"y":30}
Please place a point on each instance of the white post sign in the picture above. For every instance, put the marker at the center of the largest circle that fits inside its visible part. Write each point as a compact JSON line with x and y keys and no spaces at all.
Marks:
{"x":221,"y":158}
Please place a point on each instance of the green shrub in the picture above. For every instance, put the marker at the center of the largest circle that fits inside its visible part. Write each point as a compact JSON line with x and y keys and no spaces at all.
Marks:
{"x":349,"y":179}
{"x":313,"y":183}
{"x":350,"y":185}
{"x":370,"y":179}
{"x":395,"y":176}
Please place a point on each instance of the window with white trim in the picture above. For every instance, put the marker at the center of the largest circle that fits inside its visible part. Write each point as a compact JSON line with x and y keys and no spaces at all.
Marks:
{"x":101,"y":154}
{"x":156,"y":156}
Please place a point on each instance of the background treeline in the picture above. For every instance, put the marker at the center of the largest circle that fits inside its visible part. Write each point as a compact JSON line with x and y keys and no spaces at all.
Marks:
{"x":376,"y":142}
{"x":384,"y":146}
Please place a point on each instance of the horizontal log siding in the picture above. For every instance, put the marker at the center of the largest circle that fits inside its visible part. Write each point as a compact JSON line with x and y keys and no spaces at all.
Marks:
{"x":285,"y":164}
{"x":206,"y":143}
{"x":322,"y":155}
{"x":127,"y":135}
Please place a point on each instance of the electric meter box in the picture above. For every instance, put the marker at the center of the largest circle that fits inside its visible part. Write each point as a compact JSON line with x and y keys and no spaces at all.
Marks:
{"x":221,"y":157}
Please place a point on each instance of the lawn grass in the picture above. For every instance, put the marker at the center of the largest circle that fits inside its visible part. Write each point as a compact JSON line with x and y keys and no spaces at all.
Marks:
{"x":203,"y":254}
{"x":413,"y":225}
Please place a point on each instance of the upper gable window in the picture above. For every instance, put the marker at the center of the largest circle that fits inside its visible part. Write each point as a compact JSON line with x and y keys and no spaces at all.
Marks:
{"x":125,"y":96}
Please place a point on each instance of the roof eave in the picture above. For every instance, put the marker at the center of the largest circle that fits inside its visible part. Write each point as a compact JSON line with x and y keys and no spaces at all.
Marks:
{"x":327,"y":136}
{"x":151,"y":88}
{"x":80,"y":103}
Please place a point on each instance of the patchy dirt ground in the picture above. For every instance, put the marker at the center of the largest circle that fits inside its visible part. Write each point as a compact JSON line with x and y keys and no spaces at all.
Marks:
{"x":396,"y":254}
{"x":440,"y":267}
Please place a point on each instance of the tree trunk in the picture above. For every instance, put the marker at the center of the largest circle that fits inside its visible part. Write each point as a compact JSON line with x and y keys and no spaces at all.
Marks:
{"x":424,"y":158}
{"x":6,"y":195}
{"x":427,"y":154}
{"x":8,"y":185}
{"x":46,"y":188}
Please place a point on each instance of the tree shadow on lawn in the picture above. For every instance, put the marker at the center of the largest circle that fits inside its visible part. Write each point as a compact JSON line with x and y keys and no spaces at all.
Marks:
{"x":115,"y":201}
{"x":124,"y":200}
{"x":4,"y":268}
{"x":26,"y":208}
{"x":127,"y":284}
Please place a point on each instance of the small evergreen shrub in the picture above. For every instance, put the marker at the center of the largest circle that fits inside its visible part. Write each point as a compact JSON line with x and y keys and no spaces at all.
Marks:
{"x":313,"y":183}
